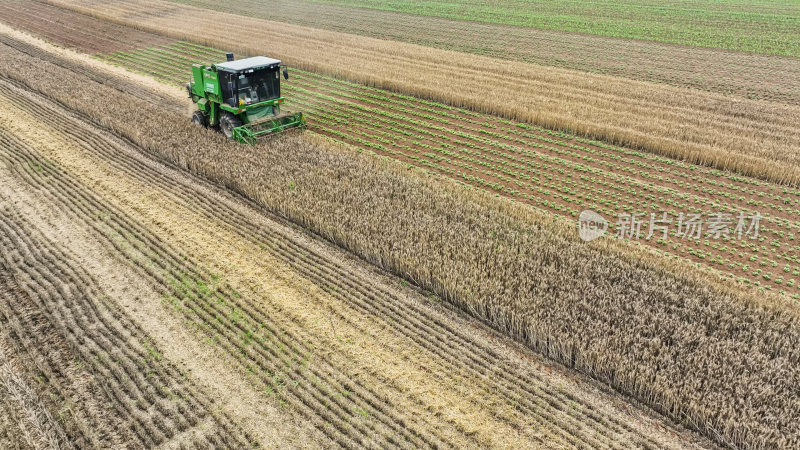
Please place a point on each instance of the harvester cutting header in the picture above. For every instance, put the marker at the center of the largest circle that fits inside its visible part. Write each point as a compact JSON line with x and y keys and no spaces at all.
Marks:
{"x":242,"y":98}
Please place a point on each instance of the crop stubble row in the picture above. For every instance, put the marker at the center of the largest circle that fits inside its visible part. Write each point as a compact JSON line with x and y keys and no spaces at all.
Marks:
{"x":151,"y":401}
{"x":27,"y":416}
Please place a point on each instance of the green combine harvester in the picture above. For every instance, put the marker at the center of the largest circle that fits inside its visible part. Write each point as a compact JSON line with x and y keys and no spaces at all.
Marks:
{"x":242,"y":98}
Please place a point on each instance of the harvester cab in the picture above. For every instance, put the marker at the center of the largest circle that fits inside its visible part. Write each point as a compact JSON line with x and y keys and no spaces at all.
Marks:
{"x":242,"y":98}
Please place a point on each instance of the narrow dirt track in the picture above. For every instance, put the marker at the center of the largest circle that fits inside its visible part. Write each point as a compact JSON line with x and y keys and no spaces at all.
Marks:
{"x":324,"y":339}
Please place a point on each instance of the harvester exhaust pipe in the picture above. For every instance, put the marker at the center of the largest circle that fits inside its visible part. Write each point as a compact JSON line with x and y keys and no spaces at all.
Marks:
{"x":229,"y":56}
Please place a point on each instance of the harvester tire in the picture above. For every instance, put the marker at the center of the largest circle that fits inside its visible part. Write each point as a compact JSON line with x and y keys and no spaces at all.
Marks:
{"x":227,"y":123}
{"x":198,"y":118}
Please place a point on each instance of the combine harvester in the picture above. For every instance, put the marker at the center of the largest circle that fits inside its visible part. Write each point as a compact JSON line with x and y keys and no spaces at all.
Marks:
{"x":242,"y":98}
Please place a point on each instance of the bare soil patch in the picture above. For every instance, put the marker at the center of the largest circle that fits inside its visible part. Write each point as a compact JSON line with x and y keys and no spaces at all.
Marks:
{"x":74,"y":30}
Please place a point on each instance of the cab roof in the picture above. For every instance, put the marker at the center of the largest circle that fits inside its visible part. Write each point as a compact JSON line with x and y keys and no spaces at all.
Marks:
{"x":256,"y":62}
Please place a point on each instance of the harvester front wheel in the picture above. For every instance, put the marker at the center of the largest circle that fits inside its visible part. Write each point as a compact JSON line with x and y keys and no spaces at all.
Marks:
{"x":227,"y":123}
{"x":198,"y":118}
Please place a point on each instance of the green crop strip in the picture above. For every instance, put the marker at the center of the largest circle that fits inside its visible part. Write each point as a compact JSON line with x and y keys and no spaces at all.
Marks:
{"x":760,"y":27}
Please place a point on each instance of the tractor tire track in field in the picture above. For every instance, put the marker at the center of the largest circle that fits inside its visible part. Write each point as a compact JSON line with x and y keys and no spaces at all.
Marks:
{"x":149,"y":397}
{"x":429,"y":334}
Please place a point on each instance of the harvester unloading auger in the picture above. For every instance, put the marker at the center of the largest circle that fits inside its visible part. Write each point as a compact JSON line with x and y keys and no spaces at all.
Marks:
{"x":242,"y":98}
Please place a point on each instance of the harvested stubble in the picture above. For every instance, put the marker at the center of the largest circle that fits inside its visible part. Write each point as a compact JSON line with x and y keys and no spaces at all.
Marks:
{"x":753,"y":137}
{"x":136,"y":399}
{"x":25,"y":418}
{"x":714,"y":359}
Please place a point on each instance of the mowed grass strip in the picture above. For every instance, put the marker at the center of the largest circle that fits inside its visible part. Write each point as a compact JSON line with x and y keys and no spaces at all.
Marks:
{"x":752,"y":137}
{"x":627,"y":319}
